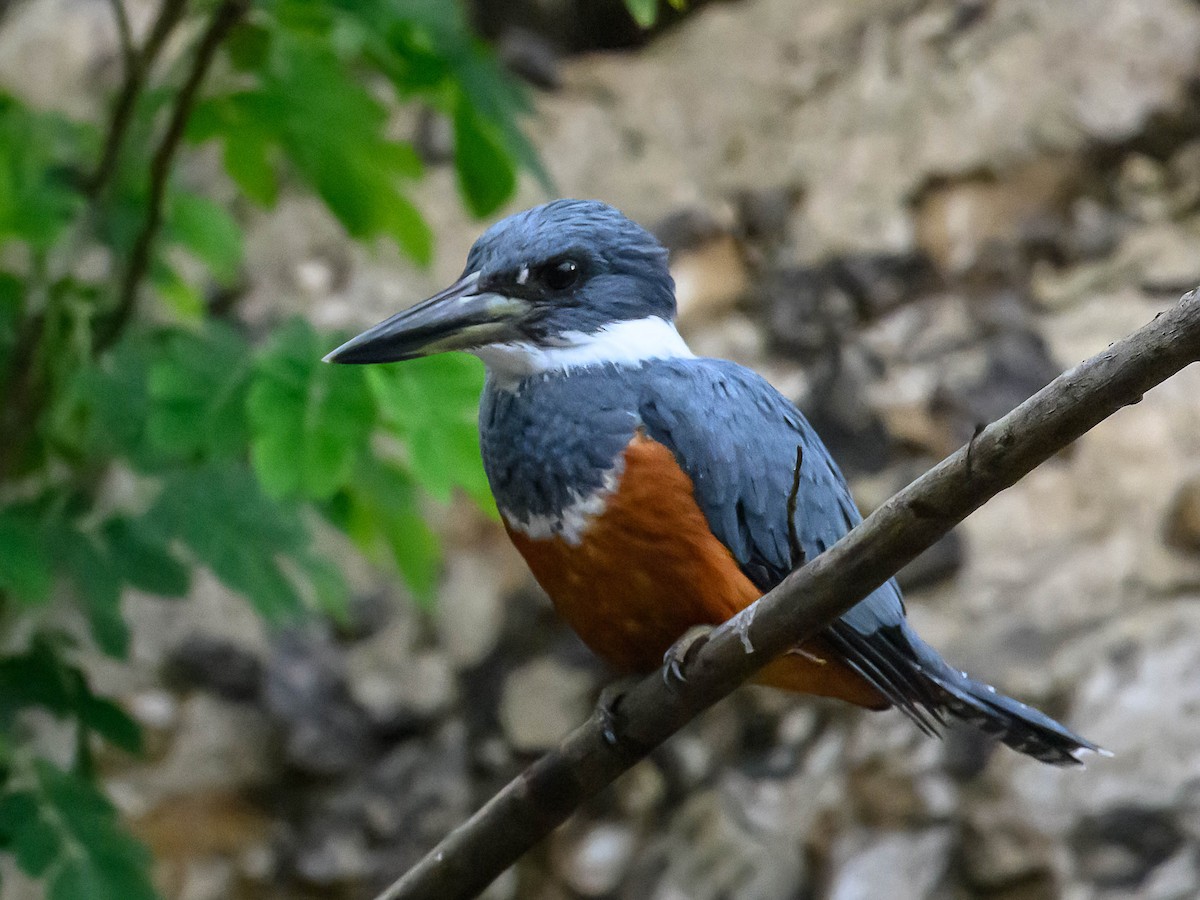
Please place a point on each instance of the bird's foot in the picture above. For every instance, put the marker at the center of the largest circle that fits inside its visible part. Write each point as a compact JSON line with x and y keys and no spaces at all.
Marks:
{"x":680,"y":653}
{"x":607,"y":708}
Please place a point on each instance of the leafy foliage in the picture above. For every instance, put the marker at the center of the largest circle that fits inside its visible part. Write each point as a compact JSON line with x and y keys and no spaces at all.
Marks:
{"x":429,"y":405}
{"x":59,"y":826}
{"x":645,"y":12}
{"x":239,"y":451}
{"x":37,"y":199}
{"x":310,"y":421}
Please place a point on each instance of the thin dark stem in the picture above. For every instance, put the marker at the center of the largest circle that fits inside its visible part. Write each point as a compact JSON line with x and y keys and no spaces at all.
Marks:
{"x":124,"y":35}
{"x":21,"y":385}
{"x":546,"y":793}
{"x":219,"y":26}
{"x":24,"y":382}
{"x":137,"y":65}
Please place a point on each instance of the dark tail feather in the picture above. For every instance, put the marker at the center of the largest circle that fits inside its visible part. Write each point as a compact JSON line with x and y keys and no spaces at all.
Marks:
{"x":918,"y":681}
{"x":901,"y":684}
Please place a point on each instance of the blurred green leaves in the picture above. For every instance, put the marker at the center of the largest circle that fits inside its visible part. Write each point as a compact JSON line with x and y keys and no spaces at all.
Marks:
{"x":311,"y":421}
{"x":429,"y":405}
{"x":55,"y":822}
{"x":222,"y":515}
{"x":309,"y":106}
{"x":38,"y":190}
{"x":486,"y":175}
{"x":144,"y":431}
{"x":208,"y":232}
{"x":197,"y":388}
{"x":645,"y":12}
{"x":238,"y":440}
{"x":24,"y":565}
{"x":42,"y":677}
{"x":60,"y":827}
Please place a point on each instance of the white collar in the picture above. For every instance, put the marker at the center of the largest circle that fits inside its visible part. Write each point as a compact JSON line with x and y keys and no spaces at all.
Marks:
{"x":627,"y":343}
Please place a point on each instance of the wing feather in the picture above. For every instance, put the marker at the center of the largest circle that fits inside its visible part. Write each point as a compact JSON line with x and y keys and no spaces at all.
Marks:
{"x":736,"y":437}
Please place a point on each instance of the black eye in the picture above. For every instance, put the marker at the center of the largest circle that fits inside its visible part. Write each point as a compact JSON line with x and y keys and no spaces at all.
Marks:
{"x":558,"y":276}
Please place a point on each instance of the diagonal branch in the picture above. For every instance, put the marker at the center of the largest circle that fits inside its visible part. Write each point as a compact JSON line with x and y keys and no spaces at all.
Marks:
{"x":137,"y":65}
{"x":223,"y":19}
{"x":542,"y":797}
{"x":124,"y":35}
{"x":24,"y":382}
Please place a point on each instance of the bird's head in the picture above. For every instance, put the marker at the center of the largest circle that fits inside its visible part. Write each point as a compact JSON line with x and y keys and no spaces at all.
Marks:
{"x":564,"y":283}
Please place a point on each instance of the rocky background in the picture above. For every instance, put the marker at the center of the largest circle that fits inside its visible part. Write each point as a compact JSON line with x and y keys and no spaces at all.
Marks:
{"x":909,"y":214}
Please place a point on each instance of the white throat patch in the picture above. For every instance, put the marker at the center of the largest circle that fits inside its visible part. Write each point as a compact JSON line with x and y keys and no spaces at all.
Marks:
{"x":621,"y":343}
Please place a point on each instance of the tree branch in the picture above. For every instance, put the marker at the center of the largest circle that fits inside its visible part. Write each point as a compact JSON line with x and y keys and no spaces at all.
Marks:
{"x":124,"y":34}
{"x":137,"y":65}
{"x":223,"y":19}
{"x":546,"y":793}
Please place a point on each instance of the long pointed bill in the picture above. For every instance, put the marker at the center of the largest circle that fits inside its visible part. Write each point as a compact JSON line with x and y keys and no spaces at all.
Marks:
{"x":459,"y":318}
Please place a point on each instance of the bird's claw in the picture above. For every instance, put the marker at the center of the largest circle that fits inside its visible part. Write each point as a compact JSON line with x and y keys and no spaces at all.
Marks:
{"x":610,"y":699}
{"x":680,"y":653}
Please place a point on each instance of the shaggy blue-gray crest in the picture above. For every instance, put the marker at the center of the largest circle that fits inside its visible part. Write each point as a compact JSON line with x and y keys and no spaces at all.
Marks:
{"x":652,"y":491}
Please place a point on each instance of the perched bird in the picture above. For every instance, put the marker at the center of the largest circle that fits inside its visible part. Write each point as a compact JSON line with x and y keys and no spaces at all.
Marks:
{"x":652,"y":491}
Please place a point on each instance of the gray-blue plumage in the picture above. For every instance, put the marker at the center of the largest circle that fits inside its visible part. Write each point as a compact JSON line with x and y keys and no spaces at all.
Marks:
{"x":623,"y":276}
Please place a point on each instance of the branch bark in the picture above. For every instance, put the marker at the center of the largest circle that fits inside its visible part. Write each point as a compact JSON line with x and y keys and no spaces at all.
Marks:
{"x":137,"y":65}
{"x":546,"y":793}
{"x":223,"y":19}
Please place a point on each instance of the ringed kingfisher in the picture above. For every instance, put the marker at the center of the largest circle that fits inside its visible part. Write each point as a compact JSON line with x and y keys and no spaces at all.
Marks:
{"x":652,"y":491}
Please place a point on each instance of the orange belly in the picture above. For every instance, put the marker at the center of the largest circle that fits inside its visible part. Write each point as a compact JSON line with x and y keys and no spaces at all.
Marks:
{"x":649,"y":568}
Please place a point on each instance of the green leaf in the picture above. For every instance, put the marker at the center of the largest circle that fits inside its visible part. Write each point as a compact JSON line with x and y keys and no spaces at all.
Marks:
{"x":74,"y":880}
{"x":248,"y":123}
{"x":432,"y":404}
{"x":38,"y":677}
{"x":99,"y":878}
{"x":108,"y":863}
{"x":17,"y":810}
{"x":310,"y":421}
{"x":42,"y":677}
{"x":111,"y":398}
{"x":497,"y":99}
{"x":38,"y":196}
{"x":185,"y":299}
{"x":206,"y":231}
{"x":487,"y":175}
{"x":111,"y":722}
{"x":87,"y":564}
{"x":33,"y":842}
{"x":24,"y":567}
{"x":383,"y":513}
{"x":330,"y":591}
{"x":332,"y":130}
{"x":247,"y":46}
{"x":644,"y":12}
{"x":222,"y":515}
{"x":198,"y":385}
{"x":403,"y":223}
{"x":12,"y":303}
{"x":249,"y":160}
{"x":36,"y":846}
{"x":144,"y":562}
